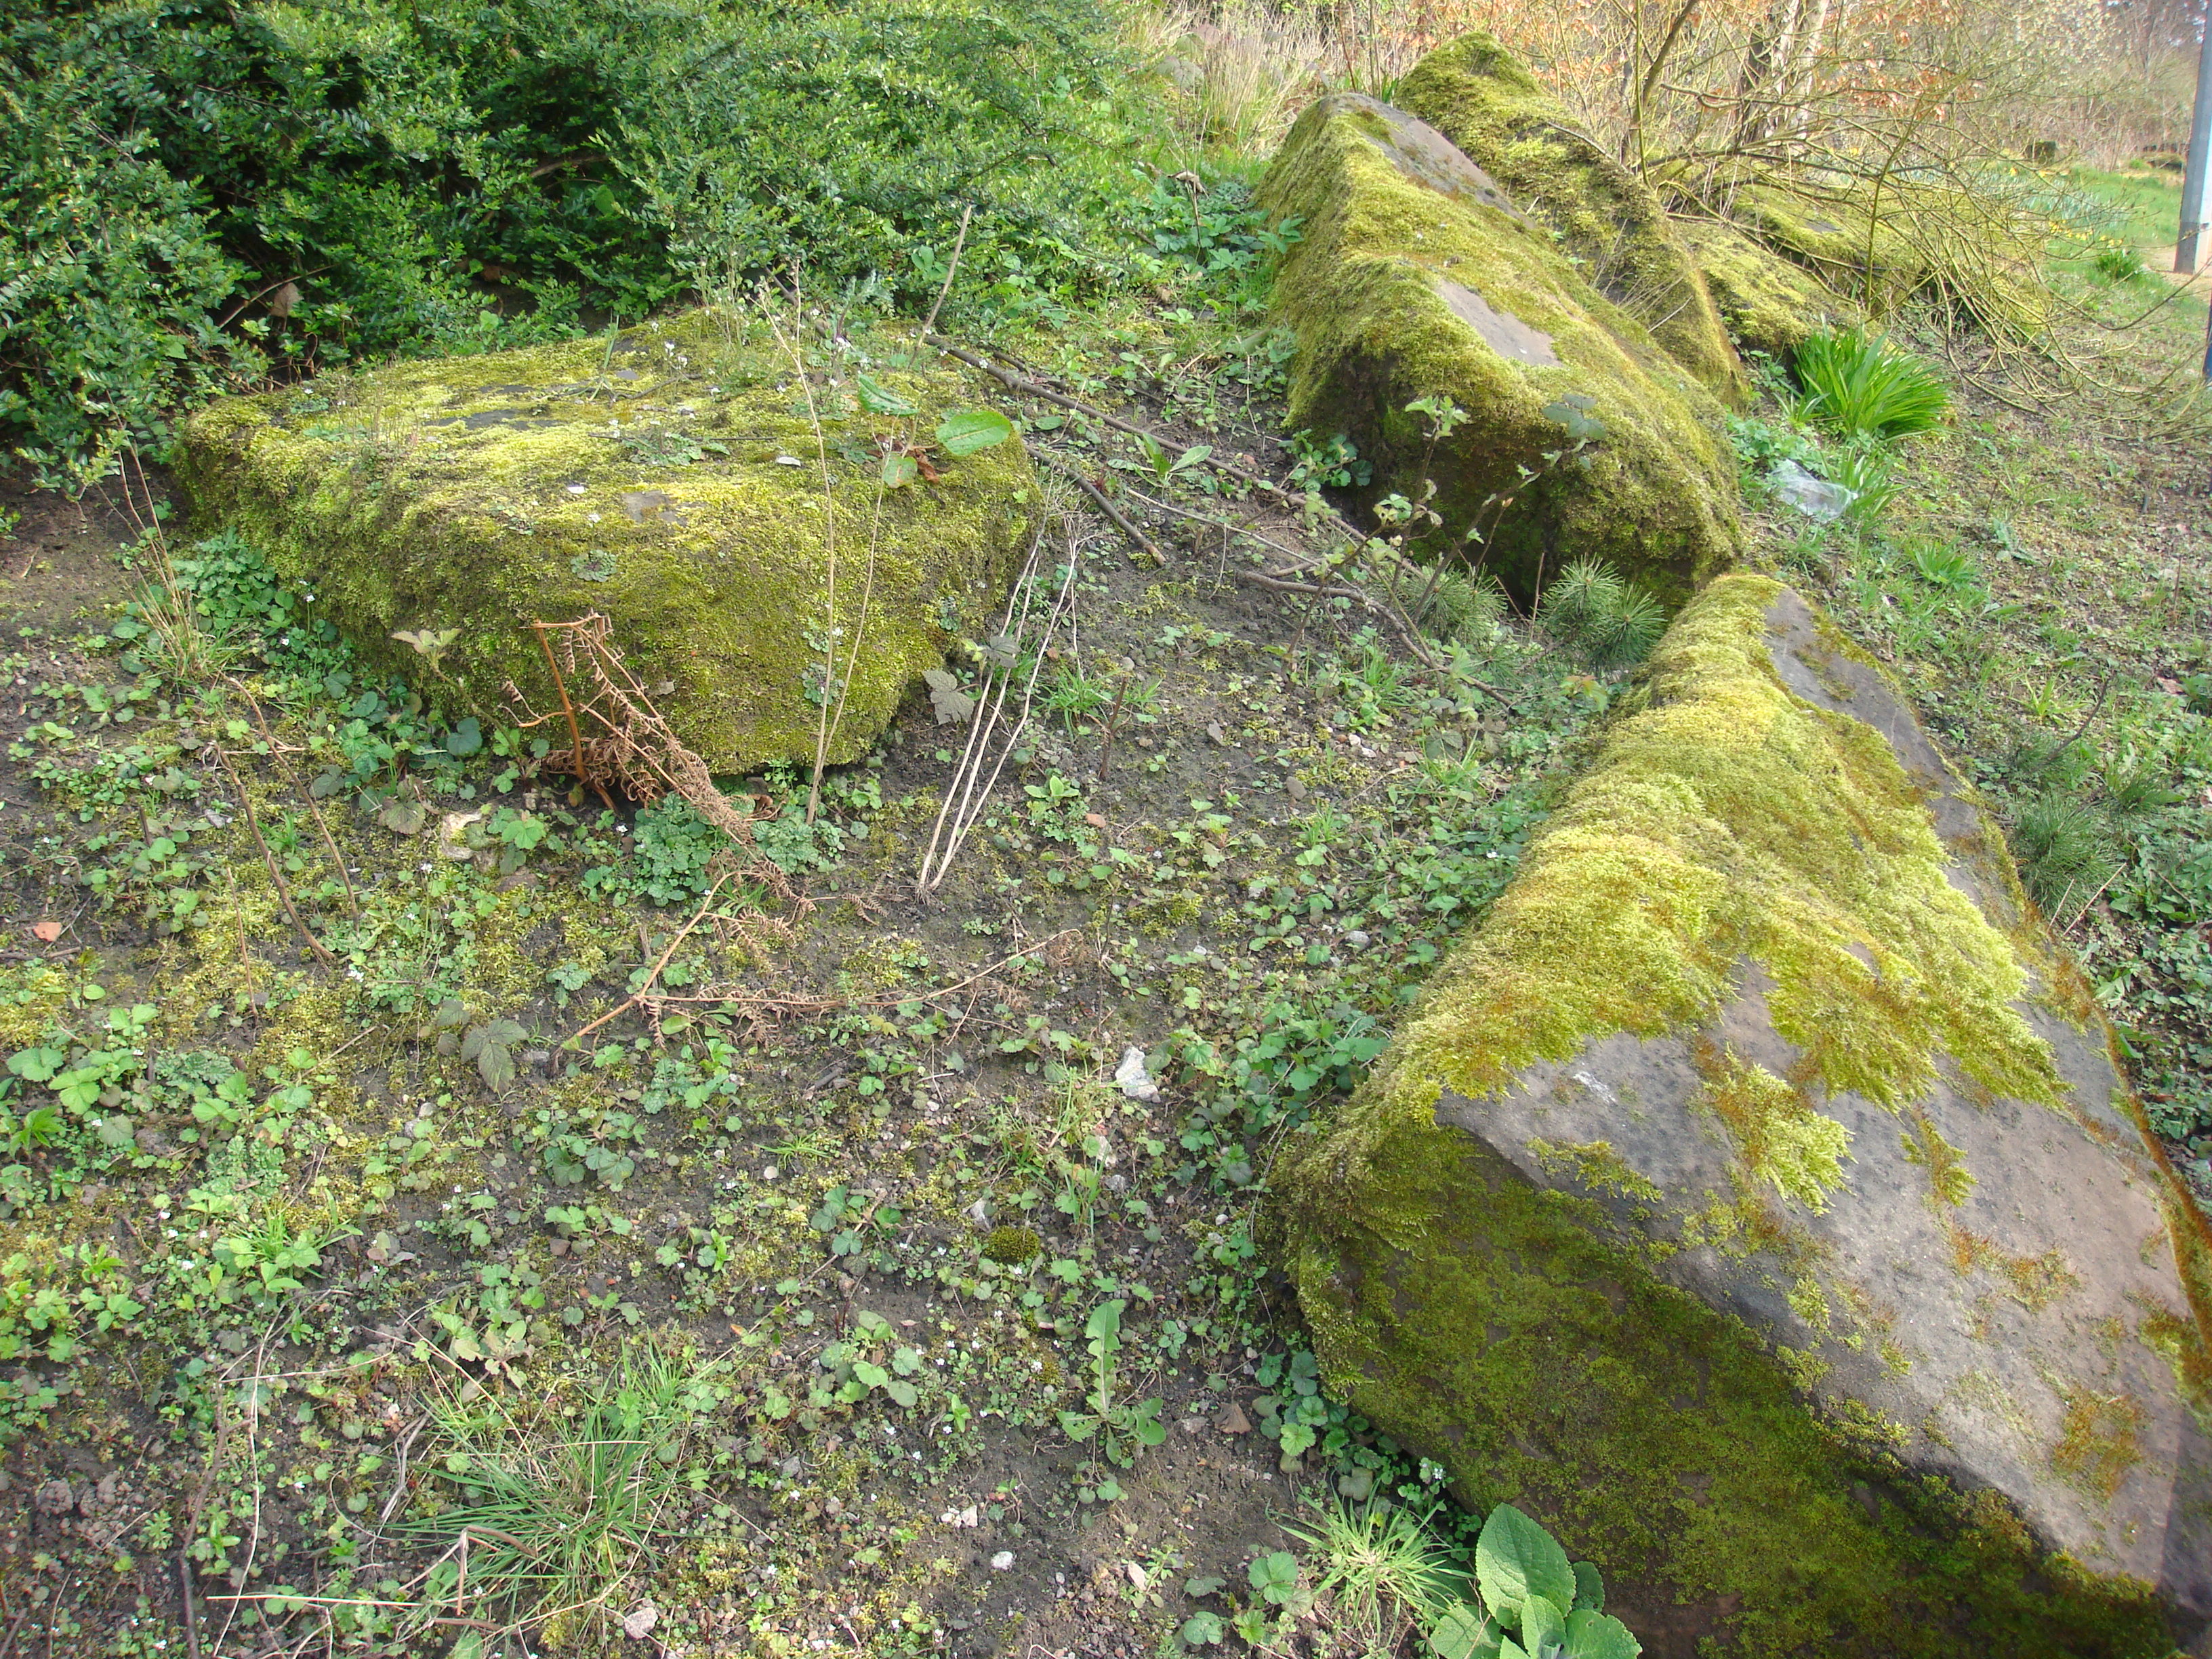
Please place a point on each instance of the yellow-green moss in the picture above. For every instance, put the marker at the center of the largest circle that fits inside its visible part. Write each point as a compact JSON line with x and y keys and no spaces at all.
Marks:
{"x":1730,"y":833}
{"x":1929,"y":239}
{"x":1480,"y":97}
{"x":1769,"y":304}
{"x":1731,"y":822}
{"x":482,"y":494}
{"x":1363,"y":288}
{"x":1777,"y":1133}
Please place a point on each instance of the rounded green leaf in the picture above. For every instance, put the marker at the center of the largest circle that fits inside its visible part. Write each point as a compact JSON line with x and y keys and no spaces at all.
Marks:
{"x":903,"y":1393}
{"x":1589,"y":1587}
{"x":973,"y":429}
{"x":1515,"y":1561}
{"x":1592,"y":1635}
{"x":874,"y":1375}
{"x":1543,"y":1627}
{"x":1463,"y":1634}
{"x":1201,"y":1630}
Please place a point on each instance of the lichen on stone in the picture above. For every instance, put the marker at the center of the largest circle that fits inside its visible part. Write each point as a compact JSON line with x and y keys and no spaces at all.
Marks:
{"x":671,"y":479}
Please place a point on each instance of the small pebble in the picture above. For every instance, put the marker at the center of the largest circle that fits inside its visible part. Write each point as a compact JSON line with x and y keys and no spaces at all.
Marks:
{"x":1002,"y":1560}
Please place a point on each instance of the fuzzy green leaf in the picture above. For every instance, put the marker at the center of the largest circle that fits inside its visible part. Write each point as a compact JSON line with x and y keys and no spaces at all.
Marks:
{"x":1592,"y":1635}
{"x":974,"y":429}
{"x":1515,"y":1561}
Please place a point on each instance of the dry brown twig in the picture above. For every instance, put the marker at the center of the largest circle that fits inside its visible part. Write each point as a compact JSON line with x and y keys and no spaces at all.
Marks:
{"x":639,"y":749}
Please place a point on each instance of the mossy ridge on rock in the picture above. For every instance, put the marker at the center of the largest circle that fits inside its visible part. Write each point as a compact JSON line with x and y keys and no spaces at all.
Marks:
{"x":1932,"y":239}
{"x":1479,"y":95}
{"x":1770,"y":304}
{"x":1398,"y":291}
{"x":1519,"y":1254}
{"x":482,"y":494}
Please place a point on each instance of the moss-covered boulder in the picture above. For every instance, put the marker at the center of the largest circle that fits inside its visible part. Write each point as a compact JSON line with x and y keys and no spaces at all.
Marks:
{"x":1755,"y":1198}
{"x":670,"y":481}
{"x":1483,"y":98}
{"x":1414,"y":277}
{"x":1769,"y":303}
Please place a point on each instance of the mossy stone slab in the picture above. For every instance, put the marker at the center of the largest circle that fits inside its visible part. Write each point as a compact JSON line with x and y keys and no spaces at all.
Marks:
{"x":1755,"y":1196}
{"x":1414,"y":276}
{"x":1484,"y":100}
{"x":672,"y":482}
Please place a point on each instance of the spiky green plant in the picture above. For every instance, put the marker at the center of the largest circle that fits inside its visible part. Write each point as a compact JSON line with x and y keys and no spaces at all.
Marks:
{"x":1381,"y":1570}
{"x":1592,"y":610}
{"x":1863,"y":388}
{"x":2064,"y":853}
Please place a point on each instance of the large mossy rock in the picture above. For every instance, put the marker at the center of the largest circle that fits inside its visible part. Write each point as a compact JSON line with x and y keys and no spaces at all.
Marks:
{"x":1414,"y":276}
{"x":672,"y":482}
{"x":1484,"y":100}
{"x":1753,"y":1197}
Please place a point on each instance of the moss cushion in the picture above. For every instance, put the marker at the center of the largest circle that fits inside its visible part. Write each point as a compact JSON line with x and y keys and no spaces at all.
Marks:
{"x":1480,"y":97}
{"x":1403,"y":286}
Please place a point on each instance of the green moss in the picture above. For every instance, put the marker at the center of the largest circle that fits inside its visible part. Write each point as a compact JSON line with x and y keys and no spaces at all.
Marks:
{"x":483,"y":494}
{"x":1480,"y":97}
{"x":1728,"y":830}
{"x":1769,"y":304}
{"x":1930,"y":239}
{"x":1729,"y":821}
{"x":1777,"y":1133}
{"x":1371,"y":289}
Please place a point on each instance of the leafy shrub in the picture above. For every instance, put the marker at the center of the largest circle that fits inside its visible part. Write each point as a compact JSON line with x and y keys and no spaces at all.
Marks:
{"x":1591,"y":609}
{"x":196,"y":188}
{"x":1862,"y":388}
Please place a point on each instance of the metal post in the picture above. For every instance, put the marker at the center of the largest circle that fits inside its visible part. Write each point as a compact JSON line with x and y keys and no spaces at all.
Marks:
{"x":2195,"y":208}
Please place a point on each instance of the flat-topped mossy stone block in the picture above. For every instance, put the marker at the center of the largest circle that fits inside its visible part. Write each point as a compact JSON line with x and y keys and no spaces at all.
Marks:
{"x":1484,"y":99}
{"x":1754,"y":1196}
{"x":671,"y":480}
{"x":1414,"y":277}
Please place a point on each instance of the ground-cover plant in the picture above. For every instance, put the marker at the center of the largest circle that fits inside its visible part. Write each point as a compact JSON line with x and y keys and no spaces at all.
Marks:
{"x":1120,"y":1425}
{"x":1868,"y":389}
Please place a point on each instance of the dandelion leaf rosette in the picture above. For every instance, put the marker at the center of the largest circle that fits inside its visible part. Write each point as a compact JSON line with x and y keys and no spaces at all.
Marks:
{"x":1754,"y":1199}
{"x":669,"y":479}
{"x":1416,"y":277}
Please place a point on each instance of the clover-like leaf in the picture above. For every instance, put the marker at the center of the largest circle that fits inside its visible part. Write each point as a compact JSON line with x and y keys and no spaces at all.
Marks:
{"x":899,"y":470}
{"x":1201,"y":1630}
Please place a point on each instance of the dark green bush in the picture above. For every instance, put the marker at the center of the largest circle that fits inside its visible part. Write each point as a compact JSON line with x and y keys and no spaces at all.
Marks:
{"x":202,"y":188}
